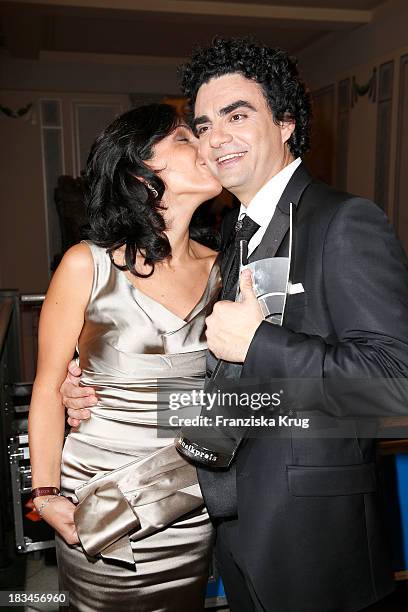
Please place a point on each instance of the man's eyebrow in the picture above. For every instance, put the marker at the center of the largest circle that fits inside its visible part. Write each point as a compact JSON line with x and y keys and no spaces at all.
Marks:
{"x":202,"y":119}
{"x":225,"y":111}
{"x":234,"y":105}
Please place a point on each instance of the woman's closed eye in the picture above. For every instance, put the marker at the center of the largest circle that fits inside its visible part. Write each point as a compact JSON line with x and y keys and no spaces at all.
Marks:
{"x":183,"y":134}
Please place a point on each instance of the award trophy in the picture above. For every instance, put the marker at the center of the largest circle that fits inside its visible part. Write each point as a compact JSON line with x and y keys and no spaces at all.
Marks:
{"x":214,"y":445}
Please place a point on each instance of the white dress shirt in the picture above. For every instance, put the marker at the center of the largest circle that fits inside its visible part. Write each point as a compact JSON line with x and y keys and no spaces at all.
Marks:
{"x":263,"y":204}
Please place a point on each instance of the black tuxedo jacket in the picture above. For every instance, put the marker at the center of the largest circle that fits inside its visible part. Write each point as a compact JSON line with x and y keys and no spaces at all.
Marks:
{"x":307,"y":507}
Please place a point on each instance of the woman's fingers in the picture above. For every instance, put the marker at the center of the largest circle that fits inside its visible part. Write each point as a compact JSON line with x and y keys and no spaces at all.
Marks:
{"x":59,"y":513}
{"x":69,"y":533}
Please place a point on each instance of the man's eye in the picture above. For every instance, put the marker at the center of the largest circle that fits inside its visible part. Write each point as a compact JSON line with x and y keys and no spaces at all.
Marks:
{"x":201,"y":130}
{"x":237,"y":117}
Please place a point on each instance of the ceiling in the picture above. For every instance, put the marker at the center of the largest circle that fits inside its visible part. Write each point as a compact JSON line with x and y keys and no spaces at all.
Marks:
{"x":169,"y":28}
{"x":339,"y":4}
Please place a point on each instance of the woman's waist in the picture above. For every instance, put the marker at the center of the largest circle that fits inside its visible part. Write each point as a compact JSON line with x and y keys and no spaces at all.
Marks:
{"x":137,"y":394}
{"x":126,"y":425}
{"x":126,"y":369}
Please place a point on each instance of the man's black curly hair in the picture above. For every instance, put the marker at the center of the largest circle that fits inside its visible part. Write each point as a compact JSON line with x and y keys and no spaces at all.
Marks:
{"x":274,"y":70}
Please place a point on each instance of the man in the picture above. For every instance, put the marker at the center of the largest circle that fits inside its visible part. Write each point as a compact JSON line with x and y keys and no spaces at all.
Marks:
{"x":297,"y":521}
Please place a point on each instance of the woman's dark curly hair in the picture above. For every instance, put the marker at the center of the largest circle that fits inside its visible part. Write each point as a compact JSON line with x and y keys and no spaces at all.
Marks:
{"x":123,"y":194}
{"x":273,"y":69}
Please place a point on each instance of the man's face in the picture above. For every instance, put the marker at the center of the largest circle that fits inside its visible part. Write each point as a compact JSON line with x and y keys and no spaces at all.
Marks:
{"x":242,"y":145}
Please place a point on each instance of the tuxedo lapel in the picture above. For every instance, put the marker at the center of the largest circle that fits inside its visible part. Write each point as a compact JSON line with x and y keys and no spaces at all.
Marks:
{"x":273,"y":237}
{"x":226,"y":271}
{"x":279,"y":225}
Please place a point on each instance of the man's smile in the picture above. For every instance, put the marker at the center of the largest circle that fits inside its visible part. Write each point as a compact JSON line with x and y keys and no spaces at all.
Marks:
{"x":229,"y":158}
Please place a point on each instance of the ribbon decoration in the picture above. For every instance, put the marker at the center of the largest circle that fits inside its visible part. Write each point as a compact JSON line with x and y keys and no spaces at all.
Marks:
{"x":17,"y":114}
{"x":134,"y":501}
{"x":369,"y":88}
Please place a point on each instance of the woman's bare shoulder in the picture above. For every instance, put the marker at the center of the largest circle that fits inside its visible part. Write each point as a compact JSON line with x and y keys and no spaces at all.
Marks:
{"x":72,"y":281}
{"x":75,"y":270}
{"x":78,"y":258}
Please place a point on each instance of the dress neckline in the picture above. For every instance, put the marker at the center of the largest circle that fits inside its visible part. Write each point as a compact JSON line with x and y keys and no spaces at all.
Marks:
{"x":194,"y":311}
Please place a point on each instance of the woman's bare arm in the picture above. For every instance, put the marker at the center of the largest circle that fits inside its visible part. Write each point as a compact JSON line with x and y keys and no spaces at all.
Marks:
{"x":61,"y":322}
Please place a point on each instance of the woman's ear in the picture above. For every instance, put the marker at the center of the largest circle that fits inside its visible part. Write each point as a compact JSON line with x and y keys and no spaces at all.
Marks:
{"x":148,"y":185}
{"x":152,"y":189}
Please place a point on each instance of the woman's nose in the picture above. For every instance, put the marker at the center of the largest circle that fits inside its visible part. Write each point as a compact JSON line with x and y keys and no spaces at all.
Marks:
{"x":195,"y":143}
{"x":200,"y":158}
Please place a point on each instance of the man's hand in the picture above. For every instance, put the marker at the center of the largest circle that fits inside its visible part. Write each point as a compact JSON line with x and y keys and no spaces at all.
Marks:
{"x":75,"y":398}
{"x":232,"y":325}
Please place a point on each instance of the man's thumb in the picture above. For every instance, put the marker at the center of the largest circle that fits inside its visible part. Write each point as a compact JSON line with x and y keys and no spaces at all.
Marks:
{"x":245,"y":285}
{"x":74,"y":369}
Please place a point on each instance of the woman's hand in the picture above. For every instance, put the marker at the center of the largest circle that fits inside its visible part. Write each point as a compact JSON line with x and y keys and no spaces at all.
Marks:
{"x":59,"y":513}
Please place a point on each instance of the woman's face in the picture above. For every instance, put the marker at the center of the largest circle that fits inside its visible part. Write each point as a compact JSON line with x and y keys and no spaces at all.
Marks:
{"x":183,"y":171}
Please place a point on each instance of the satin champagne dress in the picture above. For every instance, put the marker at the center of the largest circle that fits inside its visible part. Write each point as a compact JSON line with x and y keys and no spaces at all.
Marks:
{"x":130,"y":347}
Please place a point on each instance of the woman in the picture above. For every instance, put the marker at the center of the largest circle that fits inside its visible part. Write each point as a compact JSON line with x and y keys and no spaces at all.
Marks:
{"x":134,"y":300}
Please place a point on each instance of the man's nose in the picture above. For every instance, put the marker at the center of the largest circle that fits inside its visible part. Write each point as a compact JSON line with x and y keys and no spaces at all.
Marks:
{"x":219,"y":136}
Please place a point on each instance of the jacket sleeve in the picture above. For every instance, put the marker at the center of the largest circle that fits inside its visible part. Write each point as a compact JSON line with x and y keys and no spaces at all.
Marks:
{"x":365,"y":288}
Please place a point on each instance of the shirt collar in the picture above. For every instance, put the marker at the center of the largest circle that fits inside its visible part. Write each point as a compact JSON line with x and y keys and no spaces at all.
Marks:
{"x":262,"y":206}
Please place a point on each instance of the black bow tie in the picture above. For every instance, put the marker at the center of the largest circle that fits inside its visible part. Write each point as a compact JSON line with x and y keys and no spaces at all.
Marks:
{"x":245,"y":229}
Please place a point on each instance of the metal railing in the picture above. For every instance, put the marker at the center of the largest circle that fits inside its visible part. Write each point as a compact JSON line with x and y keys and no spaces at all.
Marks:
{"x":33,"y":298}
{"x":10,"y":371}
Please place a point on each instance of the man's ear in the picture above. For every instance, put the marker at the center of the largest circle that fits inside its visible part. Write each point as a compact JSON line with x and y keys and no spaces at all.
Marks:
{"x":287,"y":128}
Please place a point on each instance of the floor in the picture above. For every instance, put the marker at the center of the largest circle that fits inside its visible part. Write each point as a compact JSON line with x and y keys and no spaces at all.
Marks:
{"x":37,"y":572}
{"x":41,"y":576}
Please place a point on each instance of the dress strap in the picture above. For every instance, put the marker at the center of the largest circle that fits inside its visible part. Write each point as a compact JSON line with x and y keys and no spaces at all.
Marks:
{"x":102,"y":276}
